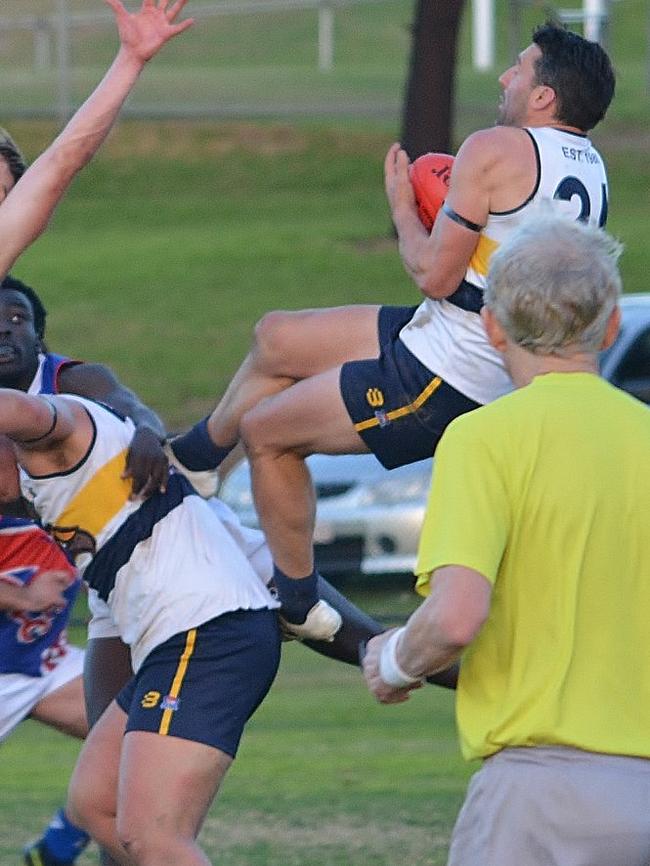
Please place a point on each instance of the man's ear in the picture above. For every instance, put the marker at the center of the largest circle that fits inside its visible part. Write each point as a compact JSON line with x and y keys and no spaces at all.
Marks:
{"x":542,"y":98}
{"x":495,"y":333}
{"x":612,"y":328}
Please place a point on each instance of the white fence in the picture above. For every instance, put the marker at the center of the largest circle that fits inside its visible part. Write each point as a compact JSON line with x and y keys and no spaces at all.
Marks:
{"x":45,"y":77}
{"x":52,"y":35}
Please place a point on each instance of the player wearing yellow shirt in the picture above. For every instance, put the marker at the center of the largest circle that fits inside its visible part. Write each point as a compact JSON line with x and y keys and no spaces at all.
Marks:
{"x":537,"y":551}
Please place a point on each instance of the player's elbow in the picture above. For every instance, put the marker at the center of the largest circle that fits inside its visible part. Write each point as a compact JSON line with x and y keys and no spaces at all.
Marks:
{"x":458,"y":627}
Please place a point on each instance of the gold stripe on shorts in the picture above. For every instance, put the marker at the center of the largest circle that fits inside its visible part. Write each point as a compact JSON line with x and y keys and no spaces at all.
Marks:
{"x":178,"y":679}
{"x":433,"y":386}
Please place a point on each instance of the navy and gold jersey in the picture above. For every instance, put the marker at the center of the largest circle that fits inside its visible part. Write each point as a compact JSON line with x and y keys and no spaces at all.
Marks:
{"x":571,"y":179}
{"x":447,"y":335}
{"x":164,"y":564}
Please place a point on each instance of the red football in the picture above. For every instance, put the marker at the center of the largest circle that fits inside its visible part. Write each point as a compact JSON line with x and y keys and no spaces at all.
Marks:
{"x":430,"y":174}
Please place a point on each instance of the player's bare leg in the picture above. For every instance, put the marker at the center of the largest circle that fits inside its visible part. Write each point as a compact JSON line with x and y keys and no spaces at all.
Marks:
{"x":64,"y":709}
{"x":287,"y":347}
{"x":158,"y":824}
{"x":278,"y":433}
{"x":107,"y":667}
{"x":92,"y":795}
{"x":146,"y":823}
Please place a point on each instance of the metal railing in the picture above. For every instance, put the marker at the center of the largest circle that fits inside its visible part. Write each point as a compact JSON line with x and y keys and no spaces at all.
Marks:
{"x":52,"y":33}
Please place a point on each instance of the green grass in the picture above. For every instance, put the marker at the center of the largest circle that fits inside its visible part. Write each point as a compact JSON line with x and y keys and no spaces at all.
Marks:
{"x":174,"y":242}
{"x":325,"y":776}
{"x":164,"y":254}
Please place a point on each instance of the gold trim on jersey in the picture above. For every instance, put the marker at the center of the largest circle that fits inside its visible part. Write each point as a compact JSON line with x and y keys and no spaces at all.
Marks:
{"x":178,"y":680}
{"x":485,"y":249}
{"x":433,"y":386}
{"x":98,"y":501}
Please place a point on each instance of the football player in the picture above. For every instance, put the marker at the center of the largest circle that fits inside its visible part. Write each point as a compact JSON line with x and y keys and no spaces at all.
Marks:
{"x":389,"y":379}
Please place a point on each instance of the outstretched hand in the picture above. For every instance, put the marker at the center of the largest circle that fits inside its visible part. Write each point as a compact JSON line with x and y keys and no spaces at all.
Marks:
{"x":144,"y":33}
{"x":399,"y":190}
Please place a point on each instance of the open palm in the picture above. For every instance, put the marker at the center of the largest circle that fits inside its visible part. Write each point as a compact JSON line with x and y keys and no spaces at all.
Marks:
{"x":145,"y":32}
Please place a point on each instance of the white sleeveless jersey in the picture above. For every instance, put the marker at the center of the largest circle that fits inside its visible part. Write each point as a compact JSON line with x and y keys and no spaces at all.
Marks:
{"x":451,"y":341}
{"x":163,"y":565}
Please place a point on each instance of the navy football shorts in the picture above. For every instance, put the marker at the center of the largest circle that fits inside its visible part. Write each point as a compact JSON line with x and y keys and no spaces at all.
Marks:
{"x":397,"y":405}
{"x":205,"y":683}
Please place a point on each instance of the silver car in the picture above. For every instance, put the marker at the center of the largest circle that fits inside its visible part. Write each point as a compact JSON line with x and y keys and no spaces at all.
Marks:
{"x":368,"y":519}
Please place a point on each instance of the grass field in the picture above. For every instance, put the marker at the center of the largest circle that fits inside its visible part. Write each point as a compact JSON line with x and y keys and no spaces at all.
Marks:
{"x":163,"y":256}
{"x":325,"y":776}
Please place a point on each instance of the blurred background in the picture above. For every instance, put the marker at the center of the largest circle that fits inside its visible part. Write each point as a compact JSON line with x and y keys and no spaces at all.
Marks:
{"x":247,"y":175}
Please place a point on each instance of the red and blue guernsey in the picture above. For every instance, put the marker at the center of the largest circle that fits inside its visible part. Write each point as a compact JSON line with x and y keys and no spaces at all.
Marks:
{"x":46,"y":380}
{"x":32,"y":642}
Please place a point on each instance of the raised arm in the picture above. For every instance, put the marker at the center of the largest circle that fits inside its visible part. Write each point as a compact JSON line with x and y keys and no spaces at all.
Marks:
{"x":49,"y":434}
{"x":27,"y":209}
{"x":35,"y":422}
{"x":437,"y":262}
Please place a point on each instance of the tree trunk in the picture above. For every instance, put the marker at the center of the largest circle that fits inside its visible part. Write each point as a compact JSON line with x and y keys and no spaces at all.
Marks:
{"x":428,"y":109}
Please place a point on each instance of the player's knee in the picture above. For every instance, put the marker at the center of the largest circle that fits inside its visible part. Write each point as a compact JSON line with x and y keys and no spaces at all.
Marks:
{"x":253,"y":432}
{"x":271,"y":334}
{"x":147,"y":846}
{"x":82,"y":806}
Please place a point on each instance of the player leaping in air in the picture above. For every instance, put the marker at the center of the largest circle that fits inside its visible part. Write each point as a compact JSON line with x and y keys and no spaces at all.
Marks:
{"x":390,"y":379}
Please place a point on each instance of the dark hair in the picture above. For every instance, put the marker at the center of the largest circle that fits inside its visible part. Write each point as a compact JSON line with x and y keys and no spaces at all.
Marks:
{"x":38,"y":309}
{"x":12,"y":156}
{"x":580,"y":73}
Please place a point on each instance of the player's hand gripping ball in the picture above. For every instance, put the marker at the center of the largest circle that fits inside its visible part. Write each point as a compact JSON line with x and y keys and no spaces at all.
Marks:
{"x":430,"y":174}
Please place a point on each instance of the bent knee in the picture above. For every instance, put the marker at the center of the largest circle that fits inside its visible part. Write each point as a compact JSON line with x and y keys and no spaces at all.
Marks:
{"x":256,"y":434}
{"x":152,"y":845}
{"x":271,"y":334}
{"x":85,"y":810}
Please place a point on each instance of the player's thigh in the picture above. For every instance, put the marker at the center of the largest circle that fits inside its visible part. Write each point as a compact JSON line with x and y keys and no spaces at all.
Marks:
{"x":192,"y":774}
{"x":302,"y":343}
{"x":64,"y":707}
{"x":307,"y":418}
{"x":107,"y":668}
{"x":93,"y":785}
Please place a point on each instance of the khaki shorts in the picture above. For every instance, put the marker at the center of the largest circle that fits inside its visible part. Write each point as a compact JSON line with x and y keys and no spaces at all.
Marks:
{"x":555,"y":807}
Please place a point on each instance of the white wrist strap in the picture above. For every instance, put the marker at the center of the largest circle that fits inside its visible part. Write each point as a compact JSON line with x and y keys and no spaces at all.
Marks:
{"x":389,"y":669}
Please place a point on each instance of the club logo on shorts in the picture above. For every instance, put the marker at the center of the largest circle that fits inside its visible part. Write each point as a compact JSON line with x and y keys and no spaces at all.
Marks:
{"x":169,"y":702}
{"x":375,"y":397}
{"x":382,"y":418}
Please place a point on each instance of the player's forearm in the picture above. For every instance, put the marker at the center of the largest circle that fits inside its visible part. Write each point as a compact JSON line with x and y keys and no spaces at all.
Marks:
{"x":27,"y":211}
{"x":447,"y":622}
{"x":13,"y":597}
{"x":436,"y":262}
{"x":426,"y":650}
{"x":90,"y":125}
{"x":126,"y":402}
